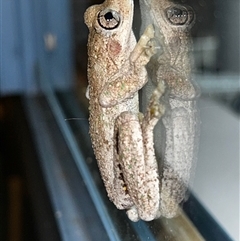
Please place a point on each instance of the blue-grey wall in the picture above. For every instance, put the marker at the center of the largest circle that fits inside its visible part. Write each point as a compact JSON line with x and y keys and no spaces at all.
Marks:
{"x":25,"y":58}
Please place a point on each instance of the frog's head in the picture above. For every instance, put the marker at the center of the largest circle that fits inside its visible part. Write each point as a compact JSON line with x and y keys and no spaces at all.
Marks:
{"x":110,"y":17}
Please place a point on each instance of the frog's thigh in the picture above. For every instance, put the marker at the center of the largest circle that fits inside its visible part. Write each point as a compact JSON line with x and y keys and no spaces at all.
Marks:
{"x":130,"y":150}
{"x":131,"y":158}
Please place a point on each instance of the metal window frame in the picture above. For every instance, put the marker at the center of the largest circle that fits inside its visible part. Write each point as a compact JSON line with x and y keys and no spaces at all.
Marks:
{"x":49,"y":125}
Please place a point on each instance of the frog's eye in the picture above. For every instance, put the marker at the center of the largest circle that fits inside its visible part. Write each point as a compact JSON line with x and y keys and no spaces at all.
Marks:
{"x":179,"y":15}
{"x":109,"y":19}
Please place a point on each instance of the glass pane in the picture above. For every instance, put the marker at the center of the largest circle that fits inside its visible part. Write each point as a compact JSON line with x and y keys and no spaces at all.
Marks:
{"x":204,"y":55}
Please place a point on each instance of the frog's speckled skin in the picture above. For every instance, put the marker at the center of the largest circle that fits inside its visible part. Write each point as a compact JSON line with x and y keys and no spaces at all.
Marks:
{"x":123,"y":144}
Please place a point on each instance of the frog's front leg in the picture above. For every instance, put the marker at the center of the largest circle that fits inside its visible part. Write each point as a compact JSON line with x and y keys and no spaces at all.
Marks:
{"x":135,"y":157}
{"x":125,"y":83}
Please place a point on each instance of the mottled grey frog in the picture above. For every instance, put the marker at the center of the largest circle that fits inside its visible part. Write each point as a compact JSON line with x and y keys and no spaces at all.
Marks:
{"x":122,"y":138}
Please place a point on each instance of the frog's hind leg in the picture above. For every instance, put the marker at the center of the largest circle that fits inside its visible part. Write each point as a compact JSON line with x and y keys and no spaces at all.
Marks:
{"x":135,"y":152}
{"x":130,"y":153}
{"x":129,"y":159}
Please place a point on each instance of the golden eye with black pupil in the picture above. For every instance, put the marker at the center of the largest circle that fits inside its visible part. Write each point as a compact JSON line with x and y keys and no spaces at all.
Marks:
{"x":179,"y":15}
{"x":109,"y":19}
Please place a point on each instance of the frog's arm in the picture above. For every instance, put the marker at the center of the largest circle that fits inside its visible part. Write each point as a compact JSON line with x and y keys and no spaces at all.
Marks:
{"x":132,"y":76}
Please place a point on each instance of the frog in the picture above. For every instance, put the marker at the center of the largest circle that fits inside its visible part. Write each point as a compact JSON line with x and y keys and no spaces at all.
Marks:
{"x":177,"y":134}
{"x":122,"y":137}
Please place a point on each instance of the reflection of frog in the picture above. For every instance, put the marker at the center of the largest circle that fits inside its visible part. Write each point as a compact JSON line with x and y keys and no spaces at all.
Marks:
{"x":180,"y":124}
{"x":172,"y":23}
{"x":122,"y":141}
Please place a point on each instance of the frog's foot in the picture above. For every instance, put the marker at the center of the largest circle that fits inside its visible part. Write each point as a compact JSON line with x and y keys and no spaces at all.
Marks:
{"x":147,"y":35}
{"x":155,"y":108}
{"x":147,"y":41}
{"x":132,"y":214}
